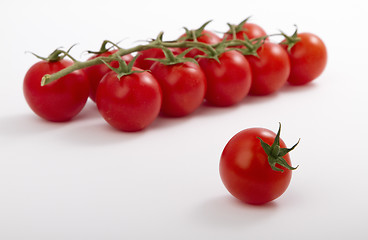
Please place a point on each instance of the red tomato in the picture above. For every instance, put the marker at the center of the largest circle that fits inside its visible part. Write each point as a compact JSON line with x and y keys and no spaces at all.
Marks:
{"x":229,"y":80}
{"x":144,"y":63}
{"x":308,"y":58}
{"x":270,"y":70}
{"x":183,"y":87}
{"x":130,"y":103}
{"x":245,"y":169}
{"x":96,"y":72}
{"x":59,"y":100}
{"x":207,"y":37}
{"x":251,"y":30}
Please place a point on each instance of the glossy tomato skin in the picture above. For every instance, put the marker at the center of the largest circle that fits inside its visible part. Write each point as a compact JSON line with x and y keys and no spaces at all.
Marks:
{"x":251,"y":30}
{"x":60,"y":100}
{"x":95,"y":73}
{"x":308,"y":59}
{"x":144,"y":63}
{"x":229,"y":80}
{"x":207,"y":37}
{"x":183,"y":87}
{"x":270,"y":70}
{"x":245,"y":171}
{"x":130,"y":103}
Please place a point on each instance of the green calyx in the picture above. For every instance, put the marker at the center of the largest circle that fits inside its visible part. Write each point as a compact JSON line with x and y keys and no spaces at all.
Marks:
{"x":290,"y":41}
{"x":56,"y":55}
{"x":275,"y":153}
{"x":170,"y":58}
{"x":194,"y":34}
{"x":250,"y":46}
{"x":104,"y":47}
{"x":123,"y":69}
{"x":235,"y":28}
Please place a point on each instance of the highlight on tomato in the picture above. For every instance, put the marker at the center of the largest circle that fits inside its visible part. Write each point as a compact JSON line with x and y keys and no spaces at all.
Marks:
{"x":60,"y":100}
{"x":255,"y":165}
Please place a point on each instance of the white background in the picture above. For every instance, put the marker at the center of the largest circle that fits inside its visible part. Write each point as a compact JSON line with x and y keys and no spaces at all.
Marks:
{"x":85,"y":180}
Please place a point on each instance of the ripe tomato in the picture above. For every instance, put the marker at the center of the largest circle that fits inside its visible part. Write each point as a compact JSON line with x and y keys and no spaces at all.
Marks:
{"x":144,"y":63}
{"x":251,"y":30}
{"x":207,"y":37}
{"x":308,"y":58}
{"x":130,"y":103}
{"x":59,"y":100}
{"x":96,"y":72}
{"x":270,"y":70}
{"x":183,"y":87}
{"x":229,"y":80}
{"x":245,"y":168}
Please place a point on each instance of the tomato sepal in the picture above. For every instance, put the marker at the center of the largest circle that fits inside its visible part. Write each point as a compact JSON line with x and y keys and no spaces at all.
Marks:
{"x":103,"y":47}
{"x":123,"y":69}
{"x":194,"y":34}
{"x":290,"y":41}
{"x":275,"y":153}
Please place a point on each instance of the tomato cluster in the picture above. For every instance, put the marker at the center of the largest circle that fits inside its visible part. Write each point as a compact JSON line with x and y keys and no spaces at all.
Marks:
{"x":132,"y":87}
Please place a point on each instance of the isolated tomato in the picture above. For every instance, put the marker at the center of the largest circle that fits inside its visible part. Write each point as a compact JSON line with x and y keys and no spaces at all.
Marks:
{"x":205,"y":36}
{"x":251,"y":30}
{"x":143,"y":62}
{"x":130,"y":103}
{"x":183,"y":87}
{"x":270,"y":69}
{"x":229,"y":80}
{"x":59,"y":100}
{"x":96,"y":72}
{"x":245,"y":169}
{"x":308,"y":59}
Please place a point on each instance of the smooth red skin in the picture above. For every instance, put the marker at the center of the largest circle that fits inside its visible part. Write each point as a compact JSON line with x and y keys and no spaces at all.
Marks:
{"x":96,"y":72}
{"x":308,"y":59}
{"x":207,"y":37}
{"x":183,"y":87}
{"x":245,"y":171}
{"x":60,"y":100}
{"x":270,"y":70}
{"x":130,"y":103}
{"x":144,"y":63}
{"x":251,"y":30}
{"x":229,"y":81}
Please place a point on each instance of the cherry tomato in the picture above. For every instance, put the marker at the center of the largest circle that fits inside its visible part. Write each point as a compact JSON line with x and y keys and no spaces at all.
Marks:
{"x":245,"y":169}
{"x":130,"y":103}
{"x":207,"y":37}
{"x":183,"y":87}
{"x":144,"y":63}
{"x":96,"y":72}
{"x":308,"y":58}
{"x":251,"y":30}
{"x":270,"y":70}
{"x":59,"y":100}
{"x":229,"y":80}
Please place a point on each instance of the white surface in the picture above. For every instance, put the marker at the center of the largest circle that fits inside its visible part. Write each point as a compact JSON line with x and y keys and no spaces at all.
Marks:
{"x":84,"y":180}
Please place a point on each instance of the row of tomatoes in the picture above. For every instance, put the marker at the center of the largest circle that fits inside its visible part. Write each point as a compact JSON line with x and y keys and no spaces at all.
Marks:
{"x":131,"y":102}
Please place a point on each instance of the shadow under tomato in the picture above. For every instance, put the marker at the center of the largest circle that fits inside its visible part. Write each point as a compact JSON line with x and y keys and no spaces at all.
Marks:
{"x":227,"y":211}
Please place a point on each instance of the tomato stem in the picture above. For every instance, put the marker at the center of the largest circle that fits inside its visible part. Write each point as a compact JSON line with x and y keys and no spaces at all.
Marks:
{"x":157,"y":43}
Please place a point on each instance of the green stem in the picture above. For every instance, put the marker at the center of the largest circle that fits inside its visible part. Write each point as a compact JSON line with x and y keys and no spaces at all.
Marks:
{"x":48,"y":78}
